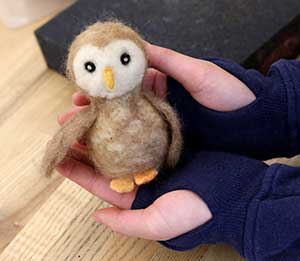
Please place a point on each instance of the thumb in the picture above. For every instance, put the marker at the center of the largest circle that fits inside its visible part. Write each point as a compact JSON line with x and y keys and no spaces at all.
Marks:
{"x":127,"y":222}
{"x":209,"y":84}
{"x":169,"y":216}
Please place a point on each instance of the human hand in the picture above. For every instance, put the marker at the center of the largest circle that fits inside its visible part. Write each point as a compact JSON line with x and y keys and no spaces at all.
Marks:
{"x":207,"y":83}
{"x":209,"y":193}
{"x":242,"y":112}
{"x":159,"y":221}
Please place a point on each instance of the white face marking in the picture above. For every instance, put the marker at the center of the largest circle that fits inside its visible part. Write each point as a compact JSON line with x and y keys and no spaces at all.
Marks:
{"x":124,"y":57}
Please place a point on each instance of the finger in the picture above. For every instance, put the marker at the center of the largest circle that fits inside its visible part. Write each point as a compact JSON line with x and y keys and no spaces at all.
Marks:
{"x":86,"y":177}
{"x":69,"y":114}
{"x":126,"y":222}
{"x":79,"y":154}
{"x":174,"y":64}
{"x":81,"y":145}
{"x":155,"y":81}
{"x":160,"y":85}
{"x":80,"y":99}
{"x":171,"y":215}
{"x":148,"y":80}
{"x":209,"y":84}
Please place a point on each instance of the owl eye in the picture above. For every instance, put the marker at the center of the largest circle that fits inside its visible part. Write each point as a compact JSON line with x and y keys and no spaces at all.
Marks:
{"x":125,"y":58}
{"x":90,"y":67}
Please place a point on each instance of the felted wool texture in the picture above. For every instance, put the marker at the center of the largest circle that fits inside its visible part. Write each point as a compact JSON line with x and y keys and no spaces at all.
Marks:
{"x":126,"y":77}
{"x":126,"y":134}
{"x":72,"y":130}
{"x":174,"y":127}
{"x":133,"y":134}
{"x":100,"y":34}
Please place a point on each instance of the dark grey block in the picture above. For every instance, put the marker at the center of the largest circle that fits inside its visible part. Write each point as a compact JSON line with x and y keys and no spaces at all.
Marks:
{"x":233,"y":29}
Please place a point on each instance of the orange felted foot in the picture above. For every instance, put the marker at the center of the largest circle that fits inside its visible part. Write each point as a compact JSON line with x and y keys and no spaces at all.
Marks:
{"x":145,"y":177}
{"x":122,"y":185}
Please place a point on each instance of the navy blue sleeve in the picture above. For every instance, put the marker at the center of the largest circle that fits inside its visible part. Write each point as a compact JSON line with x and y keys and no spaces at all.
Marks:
{"x":255,"y":208}
{"x":266,"y":128}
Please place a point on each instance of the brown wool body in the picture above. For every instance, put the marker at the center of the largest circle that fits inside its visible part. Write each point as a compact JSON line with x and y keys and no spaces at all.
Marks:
{"x":130,"y":137}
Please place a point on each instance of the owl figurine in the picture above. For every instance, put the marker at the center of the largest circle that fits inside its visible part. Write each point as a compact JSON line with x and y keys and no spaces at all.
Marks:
{"x":130,"y":133}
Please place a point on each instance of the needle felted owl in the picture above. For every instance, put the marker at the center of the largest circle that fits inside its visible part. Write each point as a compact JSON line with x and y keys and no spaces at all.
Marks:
{"x":130,"y":134}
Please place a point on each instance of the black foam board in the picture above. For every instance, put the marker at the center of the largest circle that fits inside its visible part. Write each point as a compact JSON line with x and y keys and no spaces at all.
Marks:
{"x":233,"y":29}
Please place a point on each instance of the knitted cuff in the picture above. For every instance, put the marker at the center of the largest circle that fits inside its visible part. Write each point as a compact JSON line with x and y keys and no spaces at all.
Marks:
{"x":226,"y":182}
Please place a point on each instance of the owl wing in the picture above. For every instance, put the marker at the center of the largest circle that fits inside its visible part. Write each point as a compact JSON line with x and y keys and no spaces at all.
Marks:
{"x":70,"y":132}
{"x":172,"y":119}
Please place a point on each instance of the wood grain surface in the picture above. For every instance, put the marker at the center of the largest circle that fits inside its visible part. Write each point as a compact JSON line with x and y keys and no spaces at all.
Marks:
{"x":49,"y":219}
{"x":64,"y":230}
{"x":31,"y":97}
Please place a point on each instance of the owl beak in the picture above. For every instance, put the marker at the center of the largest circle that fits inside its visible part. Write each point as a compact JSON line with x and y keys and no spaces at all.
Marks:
{"x":108,"y":78}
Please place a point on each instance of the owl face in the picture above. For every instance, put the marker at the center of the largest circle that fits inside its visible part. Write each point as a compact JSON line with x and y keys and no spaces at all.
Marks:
{"x":109,"y":71}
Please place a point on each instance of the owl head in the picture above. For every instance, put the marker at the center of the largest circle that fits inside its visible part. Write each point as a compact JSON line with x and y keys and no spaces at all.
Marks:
{"x":107,"y":60}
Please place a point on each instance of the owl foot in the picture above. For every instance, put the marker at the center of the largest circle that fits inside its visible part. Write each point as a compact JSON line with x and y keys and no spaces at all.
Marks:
{"x":126,"y":184}
{"x":122,"y":185}
{"x":145,"y":177}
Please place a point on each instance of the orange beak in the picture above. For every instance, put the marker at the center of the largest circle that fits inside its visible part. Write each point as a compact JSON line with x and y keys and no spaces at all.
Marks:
{"x":108,"y":78}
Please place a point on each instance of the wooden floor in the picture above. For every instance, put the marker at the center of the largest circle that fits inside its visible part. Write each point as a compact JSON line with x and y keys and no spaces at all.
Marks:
{"x":49,"y":219}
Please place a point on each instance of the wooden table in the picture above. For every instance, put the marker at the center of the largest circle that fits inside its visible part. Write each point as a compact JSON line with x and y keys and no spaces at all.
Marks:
{"x":49,"y":219}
